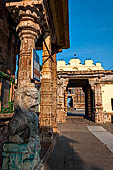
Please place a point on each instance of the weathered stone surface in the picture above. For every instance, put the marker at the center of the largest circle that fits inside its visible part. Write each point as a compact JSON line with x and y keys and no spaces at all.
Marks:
{"x":23,"y":128}
{"x":7,"y":42}
{"x":22,"y":151}
{"x":46,"y":92}
{"x":3,"y":138}
{"x":19,"y":157}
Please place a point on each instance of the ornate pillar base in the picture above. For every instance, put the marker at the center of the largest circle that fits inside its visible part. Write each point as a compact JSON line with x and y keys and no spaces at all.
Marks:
{"x":20,"y":156}
{"x":46,"y":134}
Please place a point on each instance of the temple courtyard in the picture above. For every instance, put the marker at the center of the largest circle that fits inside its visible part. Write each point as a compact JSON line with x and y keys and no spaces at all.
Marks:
{"x":82,"y":145}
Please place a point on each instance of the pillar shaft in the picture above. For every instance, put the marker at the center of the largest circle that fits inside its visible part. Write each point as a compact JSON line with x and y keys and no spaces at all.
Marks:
{"x":65,"y":100}
{"x":98,"y":104}
{"x":46,"y":87}
{"x":54,"y":78}
{"x":0,"y":93}
{"x":61,"y":108}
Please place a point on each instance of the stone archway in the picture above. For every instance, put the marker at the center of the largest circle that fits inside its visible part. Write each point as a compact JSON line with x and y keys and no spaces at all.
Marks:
{"x":93,"y":95}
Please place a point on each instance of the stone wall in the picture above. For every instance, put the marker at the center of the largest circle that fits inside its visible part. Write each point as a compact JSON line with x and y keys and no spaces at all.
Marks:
{"x":7,"y":42}
{"x":7,"y":58}
{"x":3,"y":138}
{"x":107,"y":101}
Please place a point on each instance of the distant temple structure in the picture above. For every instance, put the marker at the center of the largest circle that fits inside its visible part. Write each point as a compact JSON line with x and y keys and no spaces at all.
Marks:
{"x":76,"y":95}
{"x":88,"y":86}
{"x":75,"y":65}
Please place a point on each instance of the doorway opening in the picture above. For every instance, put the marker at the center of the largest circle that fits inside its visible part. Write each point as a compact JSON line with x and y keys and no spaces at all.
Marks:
{"x":80,"y":99}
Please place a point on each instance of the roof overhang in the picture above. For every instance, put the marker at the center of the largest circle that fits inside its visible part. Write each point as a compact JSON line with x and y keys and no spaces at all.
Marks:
{"x":60,"y":16}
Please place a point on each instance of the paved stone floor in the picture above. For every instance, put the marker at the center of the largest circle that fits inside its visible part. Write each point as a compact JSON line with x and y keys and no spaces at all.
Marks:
{"x":78,"y":149}
{"x":103,"y":135}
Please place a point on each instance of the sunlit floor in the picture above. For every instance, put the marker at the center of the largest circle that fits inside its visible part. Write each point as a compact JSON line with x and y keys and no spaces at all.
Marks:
{"x":78,"y":149}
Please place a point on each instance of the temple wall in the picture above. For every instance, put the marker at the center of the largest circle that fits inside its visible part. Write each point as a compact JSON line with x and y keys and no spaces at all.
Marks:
{"x":75,"y":65}
{"x":7,"y":43}
{"x":107,"y":95}
{"x":7,"y":60}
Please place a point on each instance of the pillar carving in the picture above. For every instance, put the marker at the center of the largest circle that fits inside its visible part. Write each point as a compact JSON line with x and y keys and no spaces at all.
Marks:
{"x":65,"y":100}
{"x":98,"y":104}
{"x":61,"y":109}
{"x":23,"y":128}
{"x":89,"y":102}
{"x":60,"y":100}
{"x":54,"y":78}
{"x":92,"y":85}
{"x":28,"y":32}
{"x":46,"y":116}
{"x":0,"y":93}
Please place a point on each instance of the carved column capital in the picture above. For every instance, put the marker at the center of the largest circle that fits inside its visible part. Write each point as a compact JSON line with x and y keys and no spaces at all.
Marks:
{"x":31,"y":15}
{"x":28,"y":26}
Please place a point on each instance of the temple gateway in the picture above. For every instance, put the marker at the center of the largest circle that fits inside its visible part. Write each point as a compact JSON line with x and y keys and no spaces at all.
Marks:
{"x":89,"y":86}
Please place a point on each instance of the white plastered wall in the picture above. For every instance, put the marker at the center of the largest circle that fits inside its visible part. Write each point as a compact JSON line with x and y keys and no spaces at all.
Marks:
{"x":107,"y":95}
{"x":75,"y":65}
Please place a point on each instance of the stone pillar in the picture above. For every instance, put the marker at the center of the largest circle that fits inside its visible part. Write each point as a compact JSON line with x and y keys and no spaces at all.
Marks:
{"x":65,"y":100}
{"x":61,"y":87}
{"x":99,"y":117}
{"x":24,"y":141}
{"x":46,"y":115}
{"x":54,"y":78}
{"x":88,"y":101}
{"x":93,"y":102}
{"x":28,"y":30}
{"x":60,"y":100}
{"x":0,"y":93}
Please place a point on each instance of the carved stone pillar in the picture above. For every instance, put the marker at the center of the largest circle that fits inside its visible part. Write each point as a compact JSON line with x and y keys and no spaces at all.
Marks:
{"x":0,"y":93}
{"x":88,"y":101}
{"x":99,"y":118}
{"x":61,"y":87}
{"x":28,"y":32}
{"x":59,"y":100}
{"x":92,"y":85}
{"x":65,"y":100}
{"x":54,"y":78}
{"x":93,"y":102}
{"x":46,"y":116}
{"x":23,"y":128}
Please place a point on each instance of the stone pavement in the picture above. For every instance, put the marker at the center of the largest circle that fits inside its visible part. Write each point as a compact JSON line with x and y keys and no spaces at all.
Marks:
{"x":78,"y":149}
{"x":103,"y":135}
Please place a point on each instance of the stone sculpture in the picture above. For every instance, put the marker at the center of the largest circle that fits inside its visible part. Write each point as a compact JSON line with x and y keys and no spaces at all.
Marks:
{"x":22,"y":150}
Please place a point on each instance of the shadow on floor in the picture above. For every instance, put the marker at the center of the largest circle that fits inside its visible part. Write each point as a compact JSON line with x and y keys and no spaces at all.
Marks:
{"x":66,"y":157}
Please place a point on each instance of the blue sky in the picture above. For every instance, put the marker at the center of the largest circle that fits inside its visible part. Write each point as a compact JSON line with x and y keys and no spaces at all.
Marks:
{"x":91,"y":31}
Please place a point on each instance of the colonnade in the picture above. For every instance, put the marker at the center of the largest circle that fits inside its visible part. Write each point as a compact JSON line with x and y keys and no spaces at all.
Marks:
{"x":32,"y":23}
